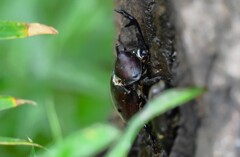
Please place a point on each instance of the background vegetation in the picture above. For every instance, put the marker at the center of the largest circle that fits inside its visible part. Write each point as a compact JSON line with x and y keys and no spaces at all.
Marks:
{"x":69,"y":72}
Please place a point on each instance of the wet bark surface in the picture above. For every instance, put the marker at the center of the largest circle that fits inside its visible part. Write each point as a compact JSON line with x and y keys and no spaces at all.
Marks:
{"x":194,"y":43}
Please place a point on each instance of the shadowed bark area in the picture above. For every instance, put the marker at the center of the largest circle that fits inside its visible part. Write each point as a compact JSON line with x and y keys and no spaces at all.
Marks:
{"x":195,"y":43}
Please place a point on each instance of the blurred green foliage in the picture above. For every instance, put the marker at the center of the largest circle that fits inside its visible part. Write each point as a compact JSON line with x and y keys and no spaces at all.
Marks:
{"x":69,"y":72}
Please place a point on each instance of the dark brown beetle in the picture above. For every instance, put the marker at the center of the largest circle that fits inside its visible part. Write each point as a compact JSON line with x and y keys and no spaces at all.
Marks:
{"x":130,"y":69}
{"x":131,"y":87}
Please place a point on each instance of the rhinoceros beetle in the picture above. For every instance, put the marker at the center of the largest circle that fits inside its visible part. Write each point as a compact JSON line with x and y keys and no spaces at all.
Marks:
{"x":130,"y":82}
{"x":129,"y":71}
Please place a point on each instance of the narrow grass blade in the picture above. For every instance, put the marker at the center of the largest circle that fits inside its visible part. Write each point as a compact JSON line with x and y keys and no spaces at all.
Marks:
{"x":167,"y":101}
{"x":14,"y":142}
{"x":53,"y":120}
{"x":87,"y":142}
{"x":32,"y":152}
{"x":7,"y":102}
{"x":12,"y":30}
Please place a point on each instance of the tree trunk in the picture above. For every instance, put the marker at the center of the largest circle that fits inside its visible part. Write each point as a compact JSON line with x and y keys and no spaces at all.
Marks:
{"x":195,"y":43}
{"x":210,"y":39}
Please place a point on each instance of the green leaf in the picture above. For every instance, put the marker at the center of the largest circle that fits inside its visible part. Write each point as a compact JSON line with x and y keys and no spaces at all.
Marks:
{"x":13,"y":141}
{"x":7,"y":102}
{"x":12,"y":30}
{"x":87,"y":142}
{"x":167,"y":101}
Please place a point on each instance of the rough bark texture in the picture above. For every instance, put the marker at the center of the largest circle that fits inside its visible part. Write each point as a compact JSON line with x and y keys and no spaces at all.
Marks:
{"x":206,"y":44}
{"x":210,"y":39}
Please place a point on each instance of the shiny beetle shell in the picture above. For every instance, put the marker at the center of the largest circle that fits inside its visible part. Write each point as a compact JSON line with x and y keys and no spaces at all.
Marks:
{"x":126,"y":102}
{"x":128,"y":67}
{"x":129,"y":72}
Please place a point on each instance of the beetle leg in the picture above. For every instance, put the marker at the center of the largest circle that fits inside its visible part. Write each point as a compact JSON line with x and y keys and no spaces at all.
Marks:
{"x":150,"y":81}
{"x":124,"y":89}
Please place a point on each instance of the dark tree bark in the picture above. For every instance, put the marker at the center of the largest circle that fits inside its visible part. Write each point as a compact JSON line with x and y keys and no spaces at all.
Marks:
{"x":195,"y":43}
